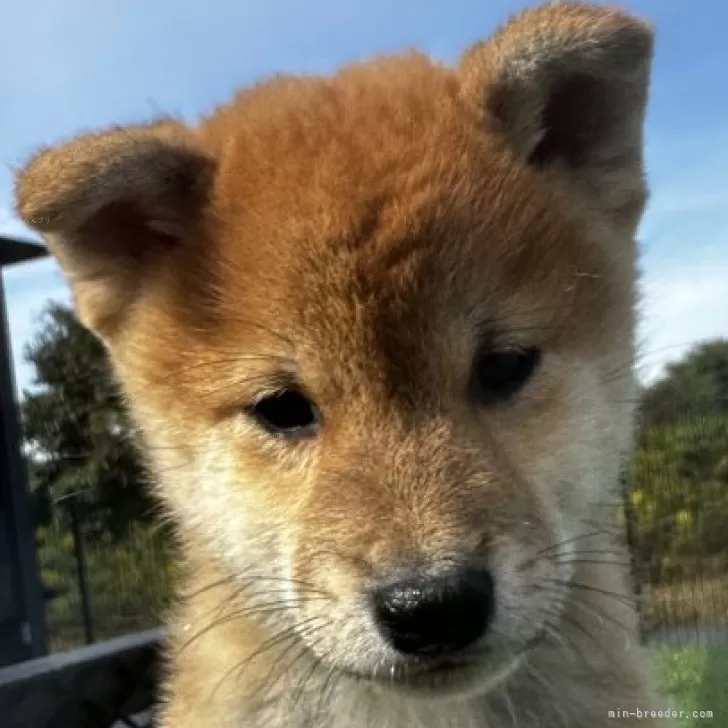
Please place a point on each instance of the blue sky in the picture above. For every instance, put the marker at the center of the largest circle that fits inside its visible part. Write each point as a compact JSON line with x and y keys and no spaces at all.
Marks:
{"x":74,"y":65}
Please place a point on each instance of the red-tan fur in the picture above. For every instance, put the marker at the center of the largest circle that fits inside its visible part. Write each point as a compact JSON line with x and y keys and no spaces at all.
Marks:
{"x":358,"y":233}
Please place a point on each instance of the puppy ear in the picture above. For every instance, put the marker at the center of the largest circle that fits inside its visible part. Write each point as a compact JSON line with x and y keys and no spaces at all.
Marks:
{"x":110,"y":205}
{"x":566,"y":85}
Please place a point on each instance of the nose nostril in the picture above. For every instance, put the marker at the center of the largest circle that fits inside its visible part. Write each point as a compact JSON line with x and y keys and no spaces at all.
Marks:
{"x":433,"y":615}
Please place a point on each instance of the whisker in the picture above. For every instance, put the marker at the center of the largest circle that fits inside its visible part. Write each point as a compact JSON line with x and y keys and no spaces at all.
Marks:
{"x":291,"y":601}
{"x":624,"y":599}
{"x":561,"y":639}
{"x":587,"y":606}
{"x":583,"y":552}
{"x":315,"y":664}
{"x":208,"y":587}
{"x":554,"y":547}
{"x":570,"y":621}
{"x":279,"y":607}
{"x":280,"y":637}
{"x":326,"y":684}
{"x":304,"y":649}
{"x":605,"y":562}
{"x":287,"y":580}
{"x":218,"y":362}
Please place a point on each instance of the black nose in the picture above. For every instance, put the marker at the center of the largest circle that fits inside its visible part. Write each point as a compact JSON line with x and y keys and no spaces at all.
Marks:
{"x":426,"y":615}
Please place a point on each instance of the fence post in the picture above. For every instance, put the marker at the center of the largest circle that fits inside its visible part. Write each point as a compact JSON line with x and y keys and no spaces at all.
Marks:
{"x":82,"y":571}
{"x":631,"y":534}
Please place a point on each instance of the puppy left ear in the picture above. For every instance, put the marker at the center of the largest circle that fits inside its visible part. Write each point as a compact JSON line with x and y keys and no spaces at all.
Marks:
{"x":566,"y":85}
{"x":112,"y":207}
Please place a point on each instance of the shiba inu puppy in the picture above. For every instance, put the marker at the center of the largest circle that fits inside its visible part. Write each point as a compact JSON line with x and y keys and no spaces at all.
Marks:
{"x":377,"y":332}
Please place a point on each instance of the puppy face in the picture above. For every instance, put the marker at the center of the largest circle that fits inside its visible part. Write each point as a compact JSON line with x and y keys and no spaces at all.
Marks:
{"x":377,"y":332}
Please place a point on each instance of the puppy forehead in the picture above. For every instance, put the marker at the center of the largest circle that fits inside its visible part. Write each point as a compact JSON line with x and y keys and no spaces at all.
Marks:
{"x":371,"y":212}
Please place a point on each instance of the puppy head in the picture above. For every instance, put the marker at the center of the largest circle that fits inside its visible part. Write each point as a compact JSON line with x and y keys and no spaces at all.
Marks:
{"x":377,"y":330}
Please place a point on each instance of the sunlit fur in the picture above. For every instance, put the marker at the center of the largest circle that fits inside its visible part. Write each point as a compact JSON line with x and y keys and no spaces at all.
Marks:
{"x":363,"y":235}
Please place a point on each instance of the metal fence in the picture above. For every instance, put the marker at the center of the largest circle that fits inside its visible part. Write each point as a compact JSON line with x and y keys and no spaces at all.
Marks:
{"x":101,"y":588}
{"x":104,"y":601}
{"x":112,"y":684}
{"x":682,"y":590}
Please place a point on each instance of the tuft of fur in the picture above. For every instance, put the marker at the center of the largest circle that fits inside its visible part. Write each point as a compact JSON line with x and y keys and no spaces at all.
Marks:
{"x":362,"y":237}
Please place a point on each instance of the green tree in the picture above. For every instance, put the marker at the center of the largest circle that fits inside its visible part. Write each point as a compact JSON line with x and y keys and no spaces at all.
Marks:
{"x":695,"y":386}
{"x":680,"y":495}
{"x":679,"y":474}
{"x":77,"y":437}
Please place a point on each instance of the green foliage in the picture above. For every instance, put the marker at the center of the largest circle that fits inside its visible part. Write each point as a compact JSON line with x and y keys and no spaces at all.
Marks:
{"x":694,"y":678}
{"x":680,"y":493}
{"x":679,"y":476}
{"x":693,"y":387}
{"x":77,"y":436}
{"x":130,"y":581}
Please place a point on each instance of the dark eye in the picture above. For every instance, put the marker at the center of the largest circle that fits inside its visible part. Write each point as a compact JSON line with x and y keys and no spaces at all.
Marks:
{"x":499,"y":375}
{"x":287,"y":413}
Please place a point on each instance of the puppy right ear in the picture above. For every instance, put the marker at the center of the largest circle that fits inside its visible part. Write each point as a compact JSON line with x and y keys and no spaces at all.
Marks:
{"x":565,"y":84}
{"x":110,"y":205}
